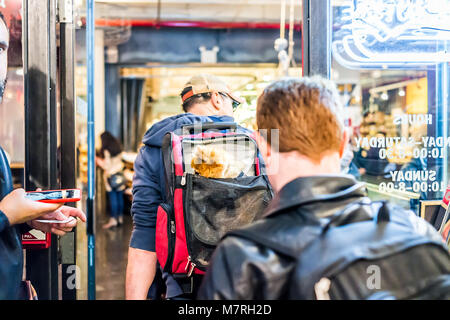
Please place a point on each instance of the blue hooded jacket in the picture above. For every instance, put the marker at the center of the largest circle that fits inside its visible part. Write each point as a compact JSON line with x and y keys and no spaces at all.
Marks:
{"x":149,"y":184}
{"x":11,"y":258}
{"x":11,"y":255}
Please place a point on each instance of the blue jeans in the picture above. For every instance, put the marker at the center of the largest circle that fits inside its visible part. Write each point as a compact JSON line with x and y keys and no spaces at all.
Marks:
{"x":116,"y":203}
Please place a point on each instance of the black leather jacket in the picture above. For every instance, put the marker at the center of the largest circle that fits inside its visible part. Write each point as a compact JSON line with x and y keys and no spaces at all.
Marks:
{"x":241,"y":269}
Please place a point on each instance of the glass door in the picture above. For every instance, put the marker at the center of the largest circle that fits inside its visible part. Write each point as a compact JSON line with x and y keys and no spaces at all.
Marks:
{"x":390,"y":59}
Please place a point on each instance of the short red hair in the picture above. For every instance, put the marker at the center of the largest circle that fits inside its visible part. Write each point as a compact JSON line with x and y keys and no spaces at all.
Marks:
{"x":307,"y":111}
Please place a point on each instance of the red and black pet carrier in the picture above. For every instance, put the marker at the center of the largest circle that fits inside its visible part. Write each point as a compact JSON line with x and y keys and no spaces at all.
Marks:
{"x":199,"y":211}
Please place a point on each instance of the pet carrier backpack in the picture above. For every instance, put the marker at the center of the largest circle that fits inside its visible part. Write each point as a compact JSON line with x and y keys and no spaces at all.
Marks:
{"x":200,"y":210}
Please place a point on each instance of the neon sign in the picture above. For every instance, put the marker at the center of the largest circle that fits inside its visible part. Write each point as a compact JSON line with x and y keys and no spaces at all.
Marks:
{"x":391,"y":33}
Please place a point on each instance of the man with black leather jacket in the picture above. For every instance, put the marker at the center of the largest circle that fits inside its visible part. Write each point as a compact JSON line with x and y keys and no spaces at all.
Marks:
{"x":304,"y":170}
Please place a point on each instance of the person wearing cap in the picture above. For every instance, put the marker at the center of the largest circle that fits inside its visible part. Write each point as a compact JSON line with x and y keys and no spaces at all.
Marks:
{"x":205,"y":98}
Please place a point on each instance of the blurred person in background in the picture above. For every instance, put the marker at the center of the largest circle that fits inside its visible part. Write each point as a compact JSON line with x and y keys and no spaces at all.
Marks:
{"x":109,"y":158}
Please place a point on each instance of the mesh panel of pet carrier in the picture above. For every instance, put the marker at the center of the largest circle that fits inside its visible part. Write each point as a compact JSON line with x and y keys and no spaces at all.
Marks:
{"x":216,"y":206}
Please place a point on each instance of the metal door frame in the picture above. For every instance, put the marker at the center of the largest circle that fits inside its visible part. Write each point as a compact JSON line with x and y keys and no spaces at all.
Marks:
{"x":49,"y":91}
{"x":316,"y":38}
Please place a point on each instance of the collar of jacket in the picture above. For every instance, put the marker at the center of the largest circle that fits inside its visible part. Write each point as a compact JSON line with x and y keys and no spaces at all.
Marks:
{"x":307,"y":190}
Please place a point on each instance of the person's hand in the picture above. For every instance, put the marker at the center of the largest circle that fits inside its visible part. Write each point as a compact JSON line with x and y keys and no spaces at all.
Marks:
{"x":62,"y":213}
{"x":18,"y":209}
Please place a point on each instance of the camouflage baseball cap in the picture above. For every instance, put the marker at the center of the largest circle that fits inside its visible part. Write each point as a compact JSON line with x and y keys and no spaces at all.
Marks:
{"x":204,"y":83}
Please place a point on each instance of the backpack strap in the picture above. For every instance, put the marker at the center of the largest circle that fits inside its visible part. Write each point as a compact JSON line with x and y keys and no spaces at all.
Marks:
{"x":347,"y":216}
{"x":169,"y":175}
{"x":350,"y":214}
{"x":262,"y":240}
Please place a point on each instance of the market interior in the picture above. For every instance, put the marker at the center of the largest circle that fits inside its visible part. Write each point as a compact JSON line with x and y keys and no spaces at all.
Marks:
{"x":146,"y":50}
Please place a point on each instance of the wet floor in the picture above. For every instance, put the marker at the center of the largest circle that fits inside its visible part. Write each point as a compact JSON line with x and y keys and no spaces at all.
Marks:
{"x":111,"y":254}
{"x":111,"y":258}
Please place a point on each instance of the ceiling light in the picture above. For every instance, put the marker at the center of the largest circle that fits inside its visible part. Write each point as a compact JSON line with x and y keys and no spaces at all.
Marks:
{"x":384,"y":96}
{"x":401,"y":92}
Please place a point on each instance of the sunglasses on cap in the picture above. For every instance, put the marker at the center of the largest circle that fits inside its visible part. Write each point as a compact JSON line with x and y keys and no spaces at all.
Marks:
{"x":234,"y":103}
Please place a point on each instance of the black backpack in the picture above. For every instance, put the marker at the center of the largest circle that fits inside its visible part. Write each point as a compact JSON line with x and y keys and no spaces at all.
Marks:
{"x":380,"y":258}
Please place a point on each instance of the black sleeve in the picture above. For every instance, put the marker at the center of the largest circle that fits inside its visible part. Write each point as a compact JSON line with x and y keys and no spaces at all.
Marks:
{"x":4,"y":222}
{"x":24,"y":228}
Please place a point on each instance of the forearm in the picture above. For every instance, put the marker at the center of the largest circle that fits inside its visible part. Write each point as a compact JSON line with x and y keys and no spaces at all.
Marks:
{"x":141,"y":271}
{"x":17,"y":209}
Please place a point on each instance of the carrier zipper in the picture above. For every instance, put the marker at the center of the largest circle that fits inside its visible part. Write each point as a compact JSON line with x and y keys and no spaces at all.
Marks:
{"x":172,"y":226}
{"x":191,"y":269}
{"x":193,"y":265}
{"x":183,"y":179}
{"x":186,"y":225}
{"x":187,"y":264}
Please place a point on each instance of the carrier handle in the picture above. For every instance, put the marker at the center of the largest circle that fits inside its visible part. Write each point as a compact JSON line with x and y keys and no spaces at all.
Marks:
{"x":204,"y":126}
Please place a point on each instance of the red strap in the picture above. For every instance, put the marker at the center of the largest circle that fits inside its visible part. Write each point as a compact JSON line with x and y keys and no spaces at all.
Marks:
{"x":187,"y":95}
